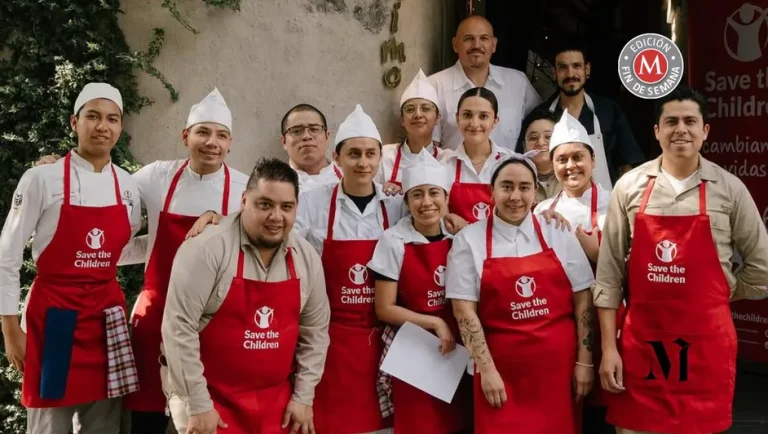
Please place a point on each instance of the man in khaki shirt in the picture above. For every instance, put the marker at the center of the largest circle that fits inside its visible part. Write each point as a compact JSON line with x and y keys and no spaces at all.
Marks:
{"x":677,"y":322}
{"x":229,"y":341}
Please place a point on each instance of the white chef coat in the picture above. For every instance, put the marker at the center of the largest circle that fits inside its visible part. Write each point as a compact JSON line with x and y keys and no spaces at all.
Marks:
{"x":350,"y":224}
{"x":327,"y":176}
{"x":578,"y":210}
{"x":515,"y":94}
{"x":389,"y":154}
{"x":194,"y":195}
{"x":37,"y":205}
{"x":468,"y":173}
{"x":465,"y":260}
{"x":388,"y":257}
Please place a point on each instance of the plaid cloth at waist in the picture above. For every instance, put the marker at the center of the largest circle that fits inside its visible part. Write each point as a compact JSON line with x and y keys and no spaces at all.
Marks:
{"x":122,"y":377}
{"x":384,"y":382}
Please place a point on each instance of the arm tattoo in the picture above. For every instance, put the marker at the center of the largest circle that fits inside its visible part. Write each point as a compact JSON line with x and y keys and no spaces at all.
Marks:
{"x":587,"y":322}
{"x":474,"y":339}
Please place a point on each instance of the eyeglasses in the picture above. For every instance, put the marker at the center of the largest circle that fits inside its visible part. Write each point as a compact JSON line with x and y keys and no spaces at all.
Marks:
{"x":533,"y":139}
{"x":410,"y":109}
{"x":298,"y":130}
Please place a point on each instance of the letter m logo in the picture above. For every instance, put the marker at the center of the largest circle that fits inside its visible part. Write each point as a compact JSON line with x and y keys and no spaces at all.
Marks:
{"x":649,"y":69}
{"x":662,"y":357}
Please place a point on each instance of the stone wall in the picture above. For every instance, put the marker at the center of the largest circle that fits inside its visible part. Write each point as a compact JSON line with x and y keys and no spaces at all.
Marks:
{"x":272,"y":55}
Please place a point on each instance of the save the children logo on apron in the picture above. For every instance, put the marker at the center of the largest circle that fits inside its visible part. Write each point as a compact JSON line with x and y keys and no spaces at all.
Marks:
{"x":93,"y":256}
{"x":262,"y":340}
{"x":666,"y":252}
{"x":439,"y":276}
{"x":264,"y":316}
{"x":525,"y":287}
{"x":358,"y":274}
{"x":481,"y":210}
{"x":436,"y":296}
{"x":358,"y":293}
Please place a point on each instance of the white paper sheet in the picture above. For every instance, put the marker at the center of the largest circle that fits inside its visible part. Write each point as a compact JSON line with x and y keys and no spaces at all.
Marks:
{"x":415,"y":359}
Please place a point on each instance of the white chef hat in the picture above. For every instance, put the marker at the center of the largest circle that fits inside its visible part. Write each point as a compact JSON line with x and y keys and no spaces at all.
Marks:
{"x":568,"y":130}
{"x":357,"y":124}
{"x":98,"y":90}
{"x":420,"y":87}
{"x":425,"y":170}
{"x":525,"y":158}
{"x":212,"y":108}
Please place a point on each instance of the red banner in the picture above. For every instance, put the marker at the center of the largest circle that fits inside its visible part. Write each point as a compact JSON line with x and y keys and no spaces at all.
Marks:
{"x":728,"y":62}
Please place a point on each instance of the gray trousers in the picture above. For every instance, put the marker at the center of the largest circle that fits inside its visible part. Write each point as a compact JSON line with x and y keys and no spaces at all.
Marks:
{"x":100,"y":417}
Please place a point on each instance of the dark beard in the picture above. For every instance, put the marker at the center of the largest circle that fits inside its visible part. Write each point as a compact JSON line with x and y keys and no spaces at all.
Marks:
{"x":263,"y":243}
{"x":571,"y":92}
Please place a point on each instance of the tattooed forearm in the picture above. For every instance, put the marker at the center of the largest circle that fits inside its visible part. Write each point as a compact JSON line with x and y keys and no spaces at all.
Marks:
{"x":474,"y":339}
{"x":584,"y":314}
{"x":587,"y":326}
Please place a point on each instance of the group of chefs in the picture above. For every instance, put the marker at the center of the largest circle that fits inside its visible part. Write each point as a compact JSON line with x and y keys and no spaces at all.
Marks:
{"x":270,"y":299}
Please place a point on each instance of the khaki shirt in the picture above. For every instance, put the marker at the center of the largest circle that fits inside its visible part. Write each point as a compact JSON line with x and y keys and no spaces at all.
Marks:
{"x":734,"y":219}
{"x":549,"y":189}
{"x":200,"y":280}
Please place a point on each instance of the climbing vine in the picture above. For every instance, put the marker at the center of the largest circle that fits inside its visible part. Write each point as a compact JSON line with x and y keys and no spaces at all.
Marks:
{"x":49,"y":49}
{"x":221,"y":4}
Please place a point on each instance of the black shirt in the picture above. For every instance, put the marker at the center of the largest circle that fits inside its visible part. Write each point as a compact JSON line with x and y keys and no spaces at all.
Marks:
{"x":362,"y":201}
{"x":620,"y":145}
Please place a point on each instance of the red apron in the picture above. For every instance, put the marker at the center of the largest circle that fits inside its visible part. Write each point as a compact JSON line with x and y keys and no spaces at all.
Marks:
{"x":596,"y":397}
{"x":396,"y":165}
{"x":77,"y":271}
{"x":470,"y":201}
{"x":422,"y":290}
{"x":531,"y":334}
{"x":248,"y":350}
{"x":346,"y":401}
{"x":678,"y":343}
{"x":148,"y":314}
{"x":337,"y":172}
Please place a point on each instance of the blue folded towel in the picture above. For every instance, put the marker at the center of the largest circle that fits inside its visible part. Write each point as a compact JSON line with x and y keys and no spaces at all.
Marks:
{"x":57,"y":351}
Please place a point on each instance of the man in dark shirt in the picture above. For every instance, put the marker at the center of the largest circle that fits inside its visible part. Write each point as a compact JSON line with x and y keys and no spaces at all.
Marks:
{"x":571,"y":71}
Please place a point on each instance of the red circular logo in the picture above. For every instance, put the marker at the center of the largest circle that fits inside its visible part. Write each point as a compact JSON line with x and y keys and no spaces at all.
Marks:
{"x":650,"y":66}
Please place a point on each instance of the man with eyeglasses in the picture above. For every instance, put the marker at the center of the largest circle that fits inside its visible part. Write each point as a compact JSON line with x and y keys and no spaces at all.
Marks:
{"x":304,"y":135}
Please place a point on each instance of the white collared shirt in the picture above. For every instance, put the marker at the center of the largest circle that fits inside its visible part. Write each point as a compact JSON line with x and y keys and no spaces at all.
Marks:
{"x":194,"y":195}
{"x":465,"y":261}
{"x":515,"y":94}
{"x":388,"y":257}
{"x":327,"y":176}
{"x":350,"y":223}
{"x":578,"y":210}
{"x":37,"y":206}
{"x":389,"y":154}
{"x":468,"y":173}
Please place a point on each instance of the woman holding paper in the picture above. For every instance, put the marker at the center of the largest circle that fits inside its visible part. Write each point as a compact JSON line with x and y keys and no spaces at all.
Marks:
{"x":519,"y":289}
{"x":408,"y":266}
